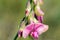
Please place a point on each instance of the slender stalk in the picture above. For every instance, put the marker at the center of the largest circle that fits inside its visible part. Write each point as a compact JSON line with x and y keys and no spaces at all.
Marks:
{"x":33,"y":18}
{"x":15,"y":38}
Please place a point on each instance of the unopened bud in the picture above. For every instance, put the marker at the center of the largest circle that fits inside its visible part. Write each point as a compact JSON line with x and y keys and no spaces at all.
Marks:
{"x":20,"y":33}
{"x":38,"y":11}
{"x":28,"y":8}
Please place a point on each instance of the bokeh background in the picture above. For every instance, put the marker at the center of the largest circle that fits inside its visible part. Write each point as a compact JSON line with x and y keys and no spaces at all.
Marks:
{"x":12,"y":11}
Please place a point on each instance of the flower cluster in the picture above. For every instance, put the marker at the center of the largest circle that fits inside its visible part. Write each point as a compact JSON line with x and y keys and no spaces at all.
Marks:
{"x":32,"y":23}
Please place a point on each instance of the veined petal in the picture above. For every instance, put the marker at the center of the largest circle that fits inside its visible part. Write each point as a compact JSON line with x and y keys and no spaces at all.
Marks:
{"x":27,"y":30}
{"x":42,"y":28}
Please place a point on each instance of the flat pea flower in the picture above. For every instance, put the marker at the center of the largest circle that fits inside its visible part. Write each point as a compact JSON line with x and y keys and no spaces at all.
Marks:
{"x":32,"y":24}
{"x":34,"y":29}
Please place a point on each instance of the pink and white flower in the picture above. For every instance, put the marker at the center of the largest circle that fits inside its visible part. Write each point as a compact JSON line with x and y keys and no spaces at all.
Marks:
{"x":34,"y":29}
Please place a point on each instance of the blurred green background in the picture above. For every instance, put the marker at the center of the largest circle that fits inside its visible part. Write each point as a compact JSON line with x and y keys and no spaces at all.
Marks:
{"x":12,"y":11}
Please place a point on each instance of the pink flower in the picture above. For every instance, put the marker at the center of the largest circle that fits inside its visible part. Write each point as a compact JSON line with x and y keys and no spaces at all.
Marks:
{"x":34,"y":29}
{"x":27,"y":30}
{"x":39,"y":14}
{"x":28,"y":8}
{"x":32,"y":24}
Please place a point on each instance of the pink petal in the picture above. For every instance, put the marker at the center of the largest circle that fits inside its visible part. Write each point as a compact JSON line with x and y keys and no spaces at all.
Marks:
{"x":42,"y":28}
{"x":40,"y":11}
{"x":34,"y":34}
{"x":27,"y":30}
{"x":19,"y":33}
{"x":40,"y":18}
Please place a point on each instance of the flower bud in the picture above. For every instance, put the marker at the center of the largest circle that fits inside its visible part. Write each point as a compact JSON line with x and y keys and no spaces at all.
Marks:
{"x":38,"y":11}
{"x":21,"y":29}
{"x":28,"y":8}
{"x":20,"y":33}
{"x":31,"y":17}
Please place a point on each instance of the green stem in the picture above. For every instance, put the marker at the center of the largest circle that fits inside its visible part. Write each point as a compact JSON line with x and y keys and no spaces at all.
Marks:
{"x":32,"y":6}
{"x":16,"y":37}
